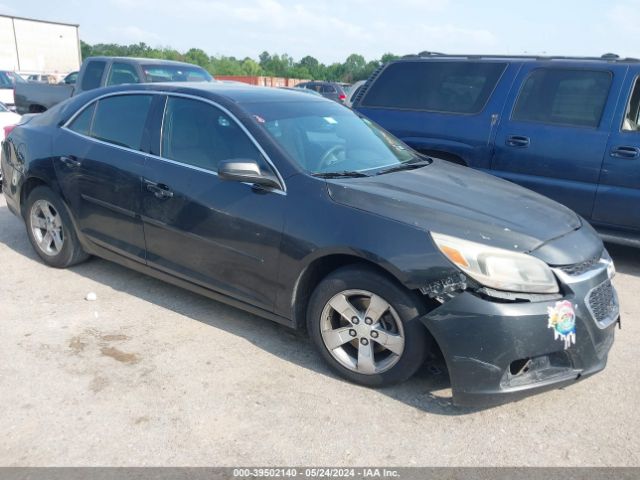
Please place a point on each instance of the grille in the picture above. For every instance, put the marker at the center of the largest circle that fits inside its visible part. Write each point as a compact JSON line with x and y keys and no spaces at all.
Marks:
{"x":602,"y":303}
{"x":582,"y":267}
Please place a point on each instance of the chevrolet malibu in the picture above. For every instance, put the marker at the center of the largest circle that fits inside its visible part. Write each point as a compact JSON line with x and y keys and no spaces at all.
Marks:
{"x":299,"y":210}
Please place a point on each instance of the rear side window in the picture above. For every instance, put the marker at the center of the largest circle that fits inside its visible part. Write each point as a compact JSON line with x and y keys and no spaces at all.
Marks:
{"x":450,"y":87}
{"x":175,"y":73}
{"x":122,"y":73}
{"x":201,"y":135}
{"x":563,"y":96}
{"x":82,"y":123}
{"x":93,"y":74}
{"x":121,"y":120}
{"x":328,"y":89}
{"x":631,"y":121}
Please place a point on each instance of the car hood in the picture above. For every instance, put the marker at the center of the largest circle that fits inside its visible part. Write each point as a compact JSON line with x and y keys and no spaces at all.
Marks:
{"x":458,"y":201}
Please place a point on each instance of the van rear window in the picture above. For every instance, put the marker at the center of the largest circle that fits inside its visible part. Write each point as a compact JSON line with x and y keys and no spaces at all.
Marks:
{"x":450,"y":87}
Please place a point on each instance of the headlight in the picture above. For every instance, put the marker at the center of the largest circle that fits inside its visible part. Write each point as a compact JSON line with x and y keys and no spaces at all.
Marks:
{"x":498,"y":268}
{"x":608,"y":261}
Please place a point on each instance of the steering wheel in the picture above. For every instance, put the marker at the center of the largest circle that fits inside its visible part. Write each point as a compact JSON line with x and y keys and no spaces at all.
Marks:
{"x":332,"y":152}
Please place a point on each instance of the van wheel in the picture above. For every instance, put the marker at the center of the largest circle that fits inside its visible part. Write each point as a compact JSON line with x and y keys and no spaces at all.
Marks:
{"x":50,"y":229}
{"x":366,"y":327}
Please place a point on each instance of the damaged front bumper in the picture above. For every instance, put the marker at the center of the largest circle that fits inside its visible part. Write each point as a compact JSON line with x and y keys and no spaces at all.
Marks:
{"x":498,"y":350}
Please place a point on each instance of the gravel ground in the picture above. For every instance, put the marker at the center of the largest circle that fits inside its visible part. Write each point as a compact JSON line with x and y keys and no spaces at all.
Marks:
{"x":149,"y":374}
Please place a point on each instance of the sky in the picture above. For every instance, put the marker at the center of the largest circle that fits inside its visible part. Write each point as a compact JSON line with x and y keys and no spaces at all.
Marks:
{"x":331,"y":30}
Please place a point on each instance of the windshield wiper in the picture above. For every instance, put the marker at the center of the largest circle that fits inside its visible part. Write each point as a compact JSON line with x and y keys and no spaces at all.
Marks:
{"x":410,"y":165}
{"x":342,"y":174}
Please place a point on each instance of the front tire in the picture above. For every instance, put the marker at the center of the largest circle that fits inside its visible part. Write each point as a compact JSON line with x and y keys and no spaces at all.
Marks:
{"x":366,"y":327}
{"x":50,"y":229}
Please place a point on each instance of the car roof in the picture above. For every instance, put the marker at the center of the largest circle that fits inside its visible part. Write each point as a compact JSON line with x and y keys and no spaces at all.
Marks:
{"x":430,"y":56}
{"x":238,"y":93}
{"x":151,"y":61}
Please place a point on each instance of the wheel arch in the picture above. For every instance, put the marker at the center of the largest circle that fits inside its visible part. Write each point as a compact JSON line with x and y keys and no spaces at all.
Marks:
{"x":322,"y":266}
{"x":36,"y":108}
{"x":27,"y":187}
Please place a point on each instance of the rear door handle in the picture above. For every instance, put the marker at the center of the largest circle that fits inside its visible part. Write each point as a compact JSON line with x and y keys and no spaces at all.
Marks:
{"x":625,"y":152}
{"x":159,"y":190}
{"x":518,"y":141}
{"x":71,"y":161}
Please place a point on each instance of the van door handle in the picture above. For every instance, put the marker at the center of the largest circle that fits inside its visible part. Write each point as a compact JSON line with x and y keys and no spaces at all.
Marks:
{"x":518,"y":141}
{"x":159,"y":190}
{"x":71,"y":161}
{"x":625,"y":152}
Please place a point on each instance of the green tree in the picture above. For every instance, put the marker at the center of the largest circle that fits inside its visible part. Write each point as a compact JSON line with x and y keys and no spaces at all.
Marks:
{"x":198,"y":57}
{"x":354,"y":68}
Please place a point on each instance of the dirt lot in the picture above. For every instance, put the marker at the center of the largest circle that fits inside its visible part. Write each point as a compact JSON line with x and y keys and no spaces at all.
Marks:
{"x":150,"y":374}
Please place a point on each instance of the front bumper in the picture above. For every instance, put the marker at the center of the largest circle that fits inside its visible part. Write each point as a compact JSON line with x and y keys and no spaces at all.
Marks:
{"x":500,"y":352}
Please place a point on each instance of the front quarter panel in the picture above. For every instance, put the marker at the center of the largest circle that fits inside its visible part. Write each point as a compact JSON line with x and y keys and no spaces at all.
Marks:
{"x":317,"y":227}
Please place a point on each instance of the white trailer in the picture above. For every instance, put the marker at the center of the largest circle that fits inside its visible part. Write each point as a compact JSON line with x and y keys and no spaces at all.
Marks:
{"x":31,"y":46}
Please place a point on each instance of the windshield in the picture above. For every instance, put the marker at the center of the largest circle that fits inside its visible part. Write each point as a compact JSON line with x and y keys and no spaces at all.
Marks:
{"x":9,"y":79}
{"x":175,"y":73}
{"x":324,"y":137}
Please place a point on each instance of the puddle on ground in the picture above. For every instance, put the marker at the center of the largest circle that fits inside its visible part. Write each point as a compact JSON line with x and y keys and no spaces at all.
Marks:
{"x":119,"y":355}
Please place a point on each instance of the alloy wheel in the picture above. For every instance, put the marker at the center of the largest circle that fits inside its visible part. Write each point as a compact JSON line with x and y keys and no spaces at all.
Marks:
{"x":46,"y":227}
{"x":362,"y":331}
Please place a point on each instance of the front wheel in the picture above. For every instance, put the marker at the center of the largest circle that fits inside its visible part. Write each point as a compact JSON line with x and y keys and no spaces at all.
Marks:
{"x":366,"y":327}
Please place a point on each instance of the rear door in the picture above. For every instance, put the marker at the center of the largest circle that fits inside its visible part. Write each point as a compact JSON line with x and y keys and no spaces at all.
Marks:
{"x":222,"y":235}
{"x":554,"y":133}
{"x":99,"y":164}
{"x":618,"y":198}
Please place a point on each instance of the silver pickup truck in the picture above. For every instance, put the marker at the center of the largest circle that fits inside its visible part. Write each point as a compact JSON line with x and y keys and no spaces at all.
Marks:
{"x":104,"y":71}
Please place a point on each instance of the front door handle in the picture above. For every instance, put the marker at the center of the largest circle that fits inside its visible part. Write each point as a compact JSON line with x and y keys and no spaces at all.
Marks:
{"x":159,"y":190}
{"x":518,"y":141}
{"x":71,"y":161}
{"x":625,"y":152}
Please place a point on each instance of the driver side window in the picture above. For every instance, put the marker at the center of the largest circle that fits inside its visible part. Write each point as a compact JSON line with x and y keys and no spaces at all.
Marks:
{"x":198,"y":134}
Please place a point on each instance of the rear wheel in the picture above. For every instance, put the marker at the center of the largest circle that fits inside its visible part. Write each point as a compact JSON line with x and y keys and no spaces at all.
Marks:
{"x":367,"y":327}
{"x":50,"y":229}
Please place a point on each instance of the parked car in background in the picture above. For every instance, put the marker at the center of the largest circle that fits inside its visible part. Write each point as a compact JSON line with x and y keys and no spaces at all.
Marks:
{"x":8,"y":82}
{"x":303,"y":90}
{"x":105,"y":71}
{"x":297,"y":209}
{"x":331,"y":90}
{"x":71,"y":78}
{"x":564,"y":127}
{"x":42,"y":78}
{"x":352,"y":92}
{"x":8,"y":119}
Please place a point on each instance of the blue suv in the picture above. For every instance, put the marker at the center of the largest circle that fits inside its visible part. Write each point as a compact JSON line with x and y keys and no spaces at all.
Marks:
{"x":565,"y":127}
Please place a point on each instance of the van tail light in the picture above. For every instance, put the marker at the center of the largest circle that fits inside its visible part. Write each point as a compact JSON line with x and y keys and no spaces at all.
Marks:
{"x":8,"y":129}
{"x":342,"y":97}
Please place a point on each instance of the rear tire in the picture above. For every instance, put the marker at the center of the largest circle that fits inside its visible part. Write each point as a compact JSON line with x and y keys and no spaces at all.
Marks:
{"x":51,"y":230}
{"x":367,"y":327}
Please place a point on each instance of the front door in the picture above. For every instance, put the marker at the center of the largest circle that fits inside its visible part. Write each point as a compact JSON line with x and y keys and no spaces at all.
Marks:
{"x":554,"y":132}
{"x":220,"y":234}
{"x":100,"y":165}
{"x":618,"y":198}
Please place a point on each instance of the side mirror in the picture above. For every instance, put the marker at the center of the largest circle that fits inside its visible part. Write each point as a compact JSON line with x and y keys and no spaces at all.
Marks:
{"x":245,"y":170}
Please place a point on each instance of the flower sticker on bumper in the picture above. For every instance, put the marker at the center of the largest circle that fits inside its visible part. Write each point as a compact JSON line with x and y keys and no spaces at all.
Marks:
{"x":562,"y":318}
